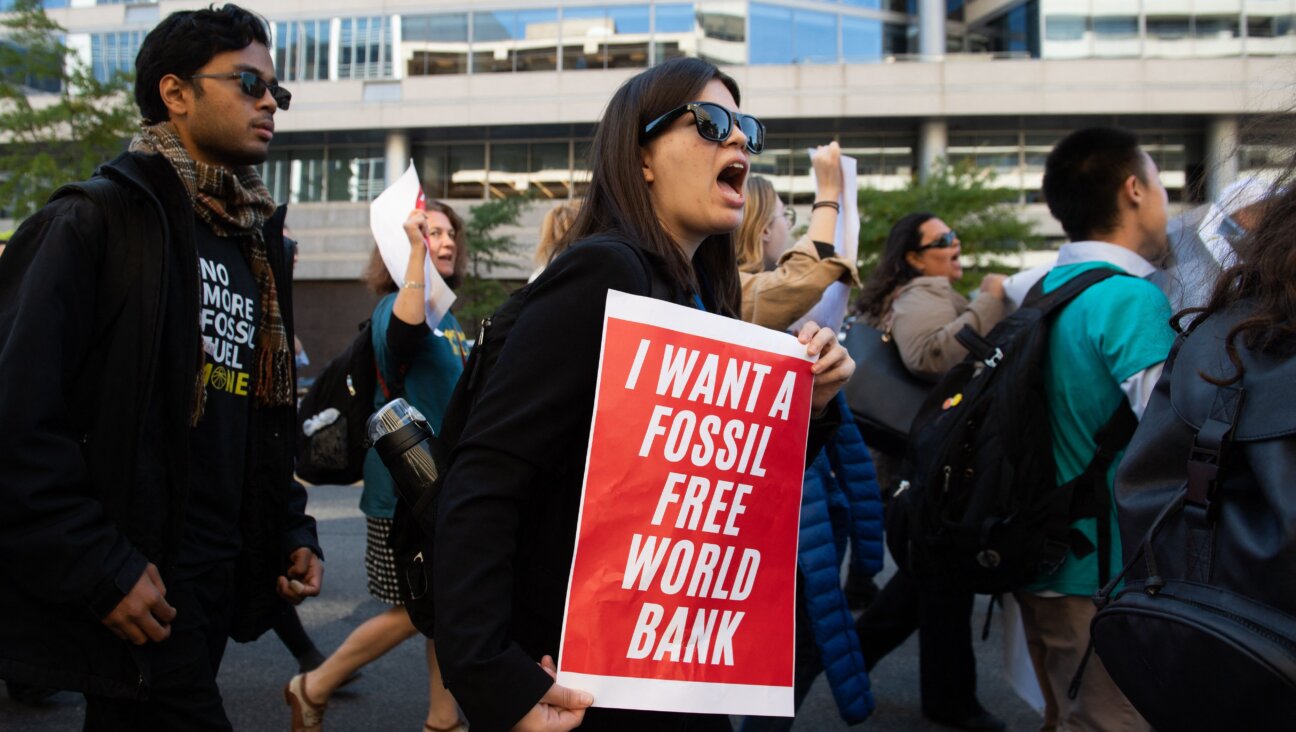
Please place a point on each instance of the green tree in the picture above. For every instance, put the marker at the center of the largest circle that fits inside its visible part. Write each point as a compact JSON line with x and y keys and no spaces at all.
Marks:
{"x":52,"y":139}
{"x":488,"y":248}
{"x":986,"y":218}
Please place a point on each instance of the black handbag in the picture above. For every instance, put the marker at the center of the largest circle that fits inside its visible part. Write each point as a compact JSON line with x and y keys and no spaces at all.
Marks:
{"x":883,"y":396}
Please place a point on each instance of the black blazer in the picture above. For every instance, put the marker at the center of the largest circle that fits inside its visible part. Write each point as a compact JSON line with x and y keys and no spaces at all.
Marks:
{"x":507,"y":518}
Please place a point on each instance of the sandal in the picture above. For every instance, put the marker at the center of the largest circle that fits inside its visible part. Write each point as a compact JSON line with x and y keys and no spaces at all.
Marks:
{"x":307,"y":716}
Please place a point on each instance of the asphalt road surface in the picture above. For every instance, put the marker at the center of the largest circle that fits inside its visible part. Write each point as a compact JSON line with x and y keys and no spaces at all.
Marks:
{"x":392,"y":693}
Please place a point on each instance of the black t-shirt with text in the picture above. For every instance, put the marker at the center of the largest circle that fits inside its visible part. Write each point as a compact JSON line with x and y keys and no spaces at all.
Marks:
{"x":218,"y":445}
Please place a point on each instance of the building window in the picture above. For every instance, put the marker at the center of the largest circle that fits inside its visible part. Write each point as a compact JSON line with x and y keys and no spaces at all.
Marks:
{"x":1168,"y":27}
{"x":302,"y":50}
{"x":435,"y":44}
{"x":111,"y":53}
{"x":1115,"y":27}
{"x":674,"y":31}
{"x":1065,"y":27}
{"x":365,"y":48}
{"x":521,"y":40}
{"x":356,"y":174}
{"x":861,"y":39}
{"x":601,"y":38}
{"x":467,"y":171}
{"x":551,"y":169}
{"x":813,"y":36}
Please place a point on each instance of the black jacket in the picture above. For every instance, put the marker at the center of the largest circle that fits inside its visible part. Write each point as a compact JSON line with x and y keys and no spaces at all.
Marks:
{"x":99,"y":352}
{"x":507,"y":516}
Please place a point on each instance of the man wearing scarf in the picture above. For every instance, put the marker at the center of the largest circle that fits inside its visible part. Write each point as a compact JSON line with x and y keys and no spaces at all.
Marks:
{"x":147,"y":506}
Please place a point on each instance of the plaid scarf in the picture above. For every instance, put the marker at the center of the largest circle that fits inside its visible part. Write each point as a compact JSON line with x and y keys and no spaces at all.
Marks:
{"x":235,"y":204}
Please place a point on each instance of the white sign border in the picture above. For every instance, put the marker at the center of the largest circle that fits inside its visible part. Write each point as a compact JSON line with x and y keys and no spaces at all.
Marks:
{"x":693,"y":697}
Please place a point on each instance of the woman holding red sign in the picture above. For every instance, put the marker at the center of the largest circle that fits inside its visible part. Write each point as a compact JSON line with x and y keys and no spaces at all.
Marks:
{"x":668,"y":166}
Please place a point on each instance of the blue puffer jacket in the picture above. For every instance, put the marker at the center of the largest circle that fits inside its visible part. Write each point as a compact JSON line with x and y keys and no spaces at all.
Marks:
{"x":841,"y":477}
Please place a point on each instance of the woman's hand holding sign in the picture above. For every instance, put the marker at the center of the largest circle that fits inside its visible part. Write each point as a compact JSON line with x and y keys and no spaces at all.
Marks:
{"x":832,"y":370}
{"x":559,"y":710}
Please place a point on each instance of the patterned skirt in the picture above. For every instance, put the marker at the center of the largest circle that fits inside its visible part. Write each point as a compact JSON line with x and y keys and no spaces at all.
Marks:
{"x":380,"y":562}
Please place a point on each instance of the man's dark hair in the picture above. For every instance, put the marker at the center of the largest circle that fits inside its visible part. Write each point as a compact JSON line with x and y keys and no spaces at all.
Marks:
{"x":1083,"y":175}
{"x":184,"y":42}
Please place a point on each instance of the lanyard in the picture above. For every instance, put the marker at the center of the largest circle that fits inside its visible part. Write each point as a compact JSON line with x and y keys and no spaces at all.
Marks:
{"x":697,"y":302}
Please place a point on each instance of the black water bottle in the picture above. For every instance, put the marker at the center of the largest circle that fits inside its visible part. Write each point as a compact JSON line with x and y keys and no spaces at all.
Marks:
{"x":411,"y":451}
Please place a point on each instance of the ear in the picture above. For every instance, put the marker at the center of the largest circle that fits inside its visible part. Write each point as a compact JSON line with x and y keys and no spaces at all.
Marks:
{"x":645,"y":159}
{"x":176,"y":94}
{"x":915,"y":260}
{"x":1133,"y":190}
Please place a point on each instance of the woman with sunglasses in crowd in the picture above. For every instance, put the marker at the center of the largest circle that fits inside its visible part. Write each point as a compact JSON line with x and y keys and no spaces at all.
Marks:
{"x":910,"y":295}
{"x":782,"y":278}
{"x":668,"y":163}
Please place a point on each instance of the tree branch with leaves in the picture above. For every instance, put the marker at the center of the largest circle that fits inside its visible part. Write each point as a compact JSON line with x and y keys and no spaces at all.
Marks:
{"x":49,"y":139}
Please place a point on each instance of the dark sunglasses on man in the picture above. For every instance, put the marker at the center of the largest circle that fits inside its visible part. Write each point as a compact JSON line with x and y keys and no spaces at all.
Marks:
{"x":946,"y":240}
{"x":714,"y":123}
{"x":254,"y":86}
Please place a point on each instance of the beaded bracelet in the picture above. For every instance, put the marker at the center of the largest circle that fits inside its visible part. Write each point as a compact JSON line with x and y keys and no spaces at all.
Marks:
{"x":411,"y":285}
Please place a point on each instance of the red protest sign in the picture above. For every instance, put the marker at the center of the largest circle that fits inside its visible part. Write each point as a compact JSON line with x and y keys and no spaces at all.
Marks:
{"x":682,"y":592}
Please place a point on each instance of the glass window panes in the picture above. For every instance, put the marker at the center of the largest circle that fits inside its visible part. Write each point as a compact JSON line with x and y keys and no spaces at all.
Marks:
{"x":515,"y":40}
{"x":508,"y":170}
{"x":355,"y":174}
{"x":435,"y":44}
{"x":365,"y":48}
{"x":724,"y":31}
{"x":1065,"y":27}
{"x":770,"y":41}
{"x":467,"y":171}
{"x":861,"y":39}
{"x":114,"y":52}
{"x":596,"y":38}
{"x":551,"y":175}
{"x":674,"y":31}
{"x":302,"y":50}
{"x":1115,"y":26}
{"x":814,"y":37}
{"x":433,"y":163}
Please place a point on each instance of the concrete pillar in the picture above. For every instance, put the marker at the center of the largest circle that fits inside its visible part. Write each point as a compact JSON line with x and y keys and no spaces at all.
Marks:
{"x":931,"y":28}
{"x":398,"y":154}
{"x":933,"y":138}
{"x":1221,"y":154}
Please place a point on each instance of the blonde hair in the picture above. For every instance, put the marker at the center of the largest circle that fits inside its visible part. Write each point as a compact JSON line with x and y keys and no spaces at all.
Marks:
{"x":553,"y":231}
{"x":758,"y":212}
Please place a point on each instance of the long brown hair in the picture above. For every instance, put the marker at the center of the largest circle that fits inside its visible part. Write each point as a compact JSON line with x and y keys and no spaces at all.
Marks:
{"x":618,"y":201}
{"x":1265,"y":277}
{"x":379,"y":280}
{"x":553,"y":231}
{"x":893,"y":270}
{"x":758,"y":212}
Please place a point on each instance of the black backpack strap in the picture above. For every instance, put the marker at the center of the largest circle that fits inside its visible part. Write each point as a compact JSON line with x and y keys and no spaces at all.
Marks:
{"x":1208,"y":452}
{"x":1056,"y":299}
{"x":1090,"y":496}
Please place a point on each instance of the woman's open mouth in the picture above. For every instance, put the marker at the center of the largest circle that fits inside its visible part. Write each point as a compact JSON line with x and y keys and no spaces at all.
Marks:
{"x":731,"y":182}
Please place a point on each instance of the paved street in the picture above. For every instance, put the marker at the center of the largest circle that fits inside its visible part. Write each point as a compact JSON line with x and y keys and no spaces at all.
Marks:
{"x":393,"y":691}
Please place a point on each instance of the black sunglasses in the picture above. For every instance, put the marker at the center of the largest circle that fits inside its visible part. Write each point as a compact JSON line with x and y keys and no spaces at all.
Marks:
{"x":945,"y":241}
{"x":254,"y":86}
{"x":714,"y":123}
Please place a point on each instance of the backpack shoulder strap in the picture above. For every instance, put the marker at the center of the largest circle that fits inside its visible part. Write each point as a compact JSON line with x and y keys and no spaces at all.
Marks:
{"x":1055,"y":300}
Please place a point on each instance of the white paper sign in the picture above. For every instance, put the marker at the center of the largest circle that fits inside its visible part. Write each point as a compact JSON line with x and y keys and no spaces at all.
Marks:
{"x":387,"y":216}
{"x":830,"y":311}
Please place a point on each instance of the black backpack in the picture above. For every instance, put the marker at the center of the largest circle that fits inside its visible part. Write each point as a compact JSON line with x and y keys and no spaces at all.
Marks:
{"x":979,"y":508}
{"x":335,"y":453}
{"x":412,"y":533}
{"x":1202,"y":635}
